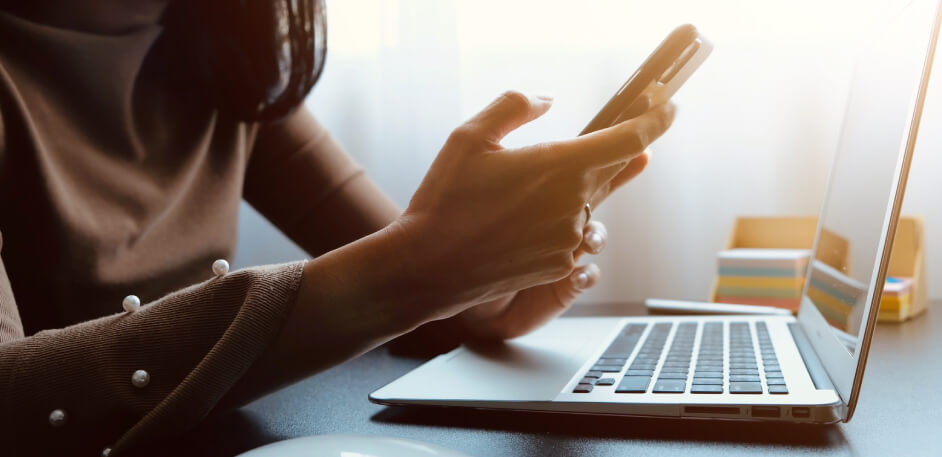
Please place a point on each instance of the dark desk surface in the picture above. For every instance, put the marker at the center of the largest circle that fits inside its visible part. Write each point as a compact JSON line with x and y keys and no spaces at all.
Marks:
{"x":898,"y":414}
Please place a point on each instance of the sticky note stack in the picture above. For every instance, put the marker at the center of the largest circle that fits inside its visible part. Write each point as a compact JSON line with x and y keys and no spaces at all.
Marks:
{"x":767,"y":277}
{"x":896,"y":304}
{"x":837,"y":296}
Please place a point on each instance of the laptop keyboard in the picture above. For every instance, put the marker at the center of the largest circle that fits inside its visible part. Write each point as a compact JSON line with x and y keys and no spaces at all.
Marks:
{"x":718,"y":367}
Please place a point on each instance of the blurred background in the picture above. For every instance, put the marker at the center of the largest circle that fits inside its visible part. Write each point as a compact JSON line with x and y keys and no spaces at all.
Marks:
{"x":755,"y":134}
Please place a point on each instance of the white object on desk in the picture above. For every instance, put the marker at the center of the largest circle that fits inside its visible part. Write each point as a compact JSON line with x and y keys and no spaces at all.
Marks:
{"x":664,"y":306}
{"x":351,"y":445}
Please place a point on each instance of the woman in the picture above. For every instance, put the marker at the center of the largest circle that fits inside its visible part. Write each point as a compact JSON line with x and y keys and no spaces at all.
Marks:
{"x":129,"y":132}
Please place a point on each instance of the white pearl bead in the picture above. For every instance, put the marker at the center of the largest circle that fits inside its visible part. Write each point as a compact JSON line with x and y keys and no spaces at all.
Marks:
{"x":220,"y":267}
{"x":106,"y":452}
{"x":131,"y":303}
{"x":140,"y":379}
{"x":57,"y":418}
{"x":582,"y":280}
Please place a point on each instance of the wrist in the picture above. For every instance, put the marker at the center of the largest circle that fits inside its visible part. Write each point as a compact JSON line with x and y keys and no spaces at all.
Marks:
{"x":373,"y":284}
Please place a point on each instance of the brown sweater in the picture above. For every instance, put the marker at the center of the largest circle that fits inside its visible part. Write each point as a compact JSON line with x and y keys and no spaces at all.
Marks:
{"x":116,"y":178}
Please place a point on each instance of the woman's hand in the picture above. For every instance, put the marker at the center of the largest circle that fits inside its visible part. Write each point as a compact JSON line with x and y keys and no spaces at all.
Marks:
{"x":519,"y":313}
{"x":488,"y":221}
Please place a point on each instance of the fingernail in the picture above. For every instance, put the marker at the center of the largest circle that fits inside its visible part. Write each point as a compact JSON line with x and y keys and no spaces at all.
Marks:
{"x":581,"y":280}
{"x":595,"y":241}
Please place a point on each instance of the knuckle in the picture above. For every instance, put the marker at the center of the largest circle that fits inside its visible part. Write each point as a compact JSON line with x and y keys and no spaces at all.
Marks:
{"x":570,"y":238}
{"x":565,"y":265}
{"x":572,"y":203}
{"x":573,"y":197}
{"x":542,"y":149}
{"x":636,"y":140}
{"x":464,"y":134}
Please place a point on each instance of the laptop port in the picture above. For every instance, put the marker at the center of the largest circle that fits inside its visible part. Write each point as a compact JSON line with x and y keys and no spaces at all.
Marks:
{"x":765,"y":411}
{"x":801,"y":411}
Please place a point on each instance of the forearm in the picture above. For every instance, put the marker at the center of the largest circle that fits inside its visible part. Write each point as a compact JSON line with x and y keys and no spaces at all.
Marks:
{"x":351,"y":300}
{"x":355,"y":209}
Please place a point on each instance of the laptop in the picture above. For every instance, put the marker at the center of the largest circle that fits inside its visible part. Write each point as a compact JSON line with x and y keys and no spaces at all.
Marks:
{"x":806,"y":368}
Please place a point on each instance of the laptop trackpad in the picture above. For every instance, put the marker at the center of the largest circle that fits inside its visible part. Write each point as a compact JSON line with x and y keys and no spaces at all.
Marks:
{"x":534,"y":367}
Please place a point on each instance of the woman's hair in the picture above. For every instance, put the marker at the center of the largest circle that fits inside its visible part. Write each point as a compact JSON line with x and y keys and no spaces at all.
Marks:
{"x":256,"y":59}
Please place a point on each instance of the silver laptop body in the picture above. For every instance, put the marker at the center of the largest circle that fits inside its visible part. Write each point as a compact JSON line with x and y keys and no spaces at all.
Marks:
{"x":800,"y":369}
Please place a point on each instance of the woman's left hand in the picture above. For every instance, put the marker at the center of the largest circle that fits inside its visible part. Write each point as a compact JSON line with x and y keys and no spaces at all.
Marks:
{"x":519,"y":313}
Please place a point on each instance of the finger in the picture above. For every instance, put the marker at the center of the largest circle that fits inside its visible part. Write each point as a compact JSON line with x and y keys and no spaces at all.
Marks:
{"x":594,"y":237}
{"x":509,"y":111}
{"x":639,"y":107}
{"x":619,"y":143}
{"x":634,"y":168}
{"x":582,"y":278}
{"x":618,"y":175}
{"x":534,"y":307}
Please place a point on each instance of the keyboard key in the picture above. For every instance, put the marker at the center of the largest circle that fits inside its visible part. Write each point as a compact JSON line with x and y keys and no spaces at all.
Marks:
{"x":706,"y":389}
{"x":644,"y":362}
{"x":775,"y":381}
{"x":587,"y":381}
{"x":650,"y":352}
{"x":708,"y":381}
{"x":633,"y":384}
{"x":594,"y":374}
{"x":663,"y":375}
{"x":710,"y":358}
{"x":778,"y":390}
{"x":607,"y":368}
{"x":582,"y":389}
{"x":745,"y":388}
{"x":611,"y":361}
{"x":773,"y":374}
{"x":741,"y":371}
{"x":674,"y":370}
{"x":669,"y":386}
{"x":743,"y":378}
{"x":708,"y":374}
{"x":605,"y":382}
{"x":647,"y":373}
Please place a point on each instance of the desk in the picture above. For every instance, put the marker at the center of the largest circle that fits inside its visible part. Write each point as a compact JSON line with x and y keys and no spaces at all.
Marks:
{"x":900,"y":413}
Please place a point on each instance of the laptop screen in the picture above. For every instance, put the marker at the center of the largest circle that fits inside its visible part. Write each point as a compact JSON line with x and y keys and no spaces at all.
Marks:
{"x":844,"y":279}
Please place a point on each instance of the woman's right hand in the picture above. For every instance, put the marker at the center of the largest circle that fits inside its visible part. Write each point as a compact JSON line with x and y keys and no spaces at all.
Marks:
{"x":488,"y":220}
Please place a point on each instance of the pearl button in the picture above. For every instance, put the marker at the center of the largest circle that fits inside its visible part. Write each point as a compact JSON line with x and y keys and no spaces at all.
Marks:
{"x":131,"y":303}
{"x":57,"y":418}
{"x":106,"y":452}
{"x":140,"y":379}
{"x":220,"y":267}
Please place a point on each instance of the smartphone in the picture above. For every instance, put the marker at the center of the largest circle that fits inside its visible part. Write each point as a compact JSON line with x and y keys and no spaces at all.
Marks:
{"x":658,"y":78}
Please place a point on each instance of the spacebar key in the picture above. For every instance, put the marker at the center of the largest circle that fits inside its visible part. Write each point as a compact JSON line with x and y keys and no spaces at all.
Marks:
{"x":633,"y":385}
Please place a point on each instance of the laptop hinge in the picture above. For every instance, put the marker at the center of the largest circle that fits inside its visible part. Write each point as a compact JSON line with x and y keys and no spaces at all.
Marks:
{"x":819,"y":375}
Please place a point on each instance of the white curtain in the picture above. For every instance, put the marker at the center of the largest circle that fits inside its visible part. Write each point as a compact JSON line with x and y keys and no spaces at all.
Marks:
{"x":755,"y":133}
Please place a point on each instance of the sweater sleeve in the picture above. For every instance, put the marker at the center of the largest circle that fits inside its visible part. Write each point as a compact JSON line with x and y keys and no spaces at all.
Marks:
{"x":69,"y":391}
{"x":334,"y":202}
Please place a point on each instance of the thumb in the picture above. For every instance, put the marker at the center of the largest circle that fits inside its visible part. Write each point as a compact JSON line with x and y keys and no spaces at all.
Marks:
{"x":509,"y":111}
